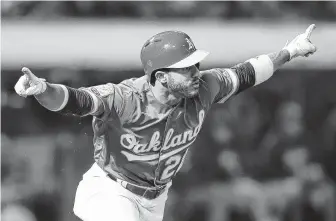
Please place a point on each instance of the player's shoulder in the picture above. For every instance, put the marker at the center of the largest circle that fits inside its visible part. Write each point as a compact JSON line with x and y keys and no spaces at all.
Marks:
{"x":124,"y":88}
{"x":218,"y":74}
{"x":214,"y":71}
{"x":137,"y":85}
{"x":101,"y":90}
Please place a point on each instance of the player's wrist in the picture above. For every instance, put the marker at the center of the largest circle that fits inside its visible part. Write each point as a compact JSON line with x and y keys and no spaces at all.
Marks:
{"x":41,"y":86}
{"x":292,"y":50}
{"x":54,"y":98}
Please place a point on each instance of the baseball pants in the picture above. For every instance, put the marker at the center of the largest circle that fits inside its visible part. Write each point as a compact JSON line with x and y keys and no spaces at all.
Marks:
{"x":99,"y":198}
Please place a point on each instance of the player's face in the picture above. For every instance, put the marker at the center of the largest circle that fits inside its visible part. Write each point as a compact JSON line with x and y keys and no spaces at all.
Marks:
{"x":184,"y":82}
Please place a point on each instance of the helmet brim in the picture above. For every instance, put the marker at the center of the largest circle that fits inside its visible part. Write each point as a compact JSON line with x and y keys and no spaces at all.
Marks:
{"x":192,"y":59}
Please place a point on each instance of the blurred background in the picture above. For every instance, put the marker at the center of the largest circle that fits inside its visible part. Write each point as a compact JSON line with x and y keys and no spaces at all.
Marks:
{"x":266,"y":155}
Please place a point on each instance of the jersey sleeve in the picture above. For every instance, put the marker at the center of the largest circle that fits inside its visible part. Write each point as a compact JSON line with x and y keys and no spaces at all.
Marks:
{"x":111,"y":98}
{"x":221,"y":83}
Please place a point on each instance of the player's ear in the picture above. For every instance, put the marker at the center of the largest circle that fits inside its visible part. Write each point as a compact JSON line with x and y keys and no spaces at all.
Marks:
{"x":161,"y":76}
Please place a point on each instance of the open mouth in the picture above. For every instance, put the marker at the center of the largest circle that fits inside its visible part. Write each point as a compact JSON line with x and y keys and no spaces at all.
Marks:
{"x":195,"y":85}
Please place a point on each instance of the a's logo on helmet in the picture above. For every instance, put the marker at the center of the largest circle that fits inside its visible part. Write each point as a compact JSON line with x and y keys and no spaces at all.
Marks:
{"x":149,"y":63}
{"x":191,"y":45}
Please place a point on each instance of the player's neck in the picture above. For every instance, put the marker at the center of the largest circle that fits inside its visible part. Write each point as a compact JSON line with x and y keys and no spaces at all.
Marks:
{"x":164,"y":96}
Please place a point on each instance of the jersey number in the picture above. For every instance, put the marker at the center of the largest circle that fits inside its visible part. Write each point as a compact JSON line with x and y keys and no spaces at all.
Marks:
{"x":171,"y":165}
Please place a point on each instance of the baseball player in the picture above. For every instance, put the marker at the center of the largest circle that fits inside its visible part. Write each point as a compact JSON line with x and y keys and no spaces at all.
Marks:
{"x":154,"y":119}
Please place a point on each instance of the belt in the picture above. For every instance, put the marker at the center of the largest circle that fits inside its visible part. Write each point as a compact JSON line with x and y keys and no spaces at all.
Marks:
{"x":140,"y":191}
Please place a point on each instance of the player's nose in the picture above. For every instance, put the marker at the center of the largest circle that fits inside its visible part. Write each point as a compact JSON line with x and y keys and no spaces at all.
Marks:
{"x":196,"y":73}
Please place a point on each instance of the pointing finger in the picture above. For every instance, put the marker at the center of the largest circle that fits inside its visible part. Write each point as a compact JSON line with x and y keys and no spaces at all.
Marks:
{"x":309,"y":30}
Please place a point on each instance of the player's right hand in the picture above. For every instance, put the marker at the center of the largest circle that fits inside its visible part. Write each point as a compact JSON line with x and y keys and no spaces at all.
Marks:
{"x":301,"y":45}
{"x":29,"y":84}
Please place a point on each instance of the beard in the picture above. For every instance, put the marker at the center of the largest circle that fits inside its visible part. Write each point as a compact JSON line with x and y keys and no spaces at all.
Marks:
{"x":184,"y":89}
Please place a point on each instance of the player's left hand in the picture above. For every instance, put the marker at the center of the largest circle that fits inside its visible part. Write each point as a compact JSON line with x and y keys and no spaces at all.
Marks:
{"x":301,"y":45}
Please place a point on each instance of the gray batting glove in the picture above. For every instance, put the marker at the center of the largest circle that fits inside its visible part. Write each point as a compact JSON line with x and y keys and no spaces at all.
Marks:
{"x":29,"y":84}
{"x":301,"y":45}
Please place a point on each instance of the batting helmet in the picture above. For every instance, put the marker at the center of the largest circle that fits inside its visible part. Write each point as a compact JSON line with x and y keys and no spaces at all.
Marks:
{"x":169,"y":49}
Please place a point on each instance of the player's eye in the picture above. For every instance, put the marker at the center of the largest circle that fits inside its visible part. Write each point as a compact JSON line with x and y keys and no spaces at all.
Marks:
{"x":186,"y":69}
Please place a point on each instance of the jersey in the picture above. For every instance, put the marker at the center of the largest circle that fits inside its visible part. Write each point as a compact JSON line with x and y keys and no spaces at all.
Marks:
{"x":144,"y":142}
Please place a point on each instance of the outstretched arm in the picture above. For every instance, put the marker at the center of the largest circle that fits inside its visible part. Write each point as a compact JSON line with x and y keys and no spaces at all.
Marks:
{"x":225,"y":82}
{"x":57,"y":97}
{"x":257,"y":70}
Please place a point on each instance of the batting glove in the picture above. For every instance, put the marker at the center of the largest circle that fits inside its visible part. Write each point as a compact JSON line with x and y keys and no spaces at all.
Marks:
{"x":301,"y":45}
{"x":29,"y":84}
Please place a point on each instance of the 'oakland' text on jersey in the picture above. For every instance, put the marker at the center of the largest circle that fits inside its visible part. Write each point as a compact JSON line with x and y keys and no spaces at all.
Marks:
{"x":144,"y":142}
